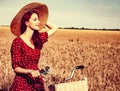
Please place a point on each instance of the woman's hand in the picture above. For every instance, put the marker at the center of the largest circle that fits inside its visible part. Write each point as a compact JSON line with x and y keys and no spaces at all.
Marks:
{"x":34,"y":73}
{"x":52,"y":28}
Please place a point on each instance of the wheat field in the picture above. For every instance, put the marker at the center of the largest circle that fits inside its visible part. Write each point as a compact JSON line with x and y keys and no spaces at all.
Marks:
{"x":98,"y":51}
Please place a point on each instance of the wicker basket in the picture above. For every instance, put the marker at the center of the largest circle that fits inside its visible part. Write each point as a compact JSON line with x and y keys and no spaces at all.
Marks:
{"x":72,"y":86}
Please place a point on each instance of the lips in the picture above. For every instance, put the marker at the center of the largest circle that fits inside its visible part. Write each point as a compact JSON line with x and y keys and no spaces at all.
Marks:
{"x":37,"y":25}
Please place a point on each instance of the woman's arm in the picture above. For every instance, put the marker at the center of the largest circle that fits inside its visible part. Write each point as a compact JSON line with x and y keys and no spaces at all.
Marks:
{"x":34,"y":73}
{"x":52,"y":28}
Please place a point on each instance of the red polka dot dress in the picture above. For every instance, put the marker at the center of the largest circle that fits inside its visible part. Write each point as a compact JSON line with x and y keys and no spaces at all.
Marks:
{"x":26,"y":57}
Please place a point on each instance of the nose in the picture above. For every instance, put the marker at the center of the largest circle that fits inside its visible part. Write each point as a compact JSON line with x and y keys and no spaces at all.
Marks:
{"x":39,"y":21}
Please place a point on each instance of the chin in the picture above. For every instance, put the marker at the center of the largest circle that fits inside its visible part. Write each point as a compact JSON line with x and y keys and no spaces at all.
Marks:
{"x":37,"y":29}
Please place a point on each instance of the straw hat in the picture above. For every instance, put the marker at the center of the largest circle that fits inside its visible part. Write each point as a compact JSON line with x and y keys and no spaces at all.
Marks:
{"x":41,"y":9}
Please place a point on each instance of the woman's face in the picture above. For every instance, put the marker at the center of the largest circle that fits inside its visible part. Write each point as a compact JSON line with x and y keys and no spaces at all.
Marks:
{"x":33,"y":22}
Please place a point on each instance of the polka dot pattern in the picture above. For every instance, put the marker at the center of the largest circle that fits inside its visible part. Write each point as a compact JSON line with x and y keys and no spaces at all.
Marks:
{"x":26,"y":57}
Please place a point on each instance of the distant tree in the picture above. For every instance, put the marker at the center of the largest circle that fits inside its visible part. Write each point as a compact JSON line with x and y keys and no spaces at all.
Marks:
{"x":104,"y":29}
{"x":83,"y":28}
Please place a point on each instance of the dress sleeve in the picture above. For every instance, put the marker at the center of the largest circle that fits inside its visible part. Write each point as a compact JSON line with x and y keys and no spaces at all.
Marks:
{"x":15,"y":54}
{"x":44,"y":36}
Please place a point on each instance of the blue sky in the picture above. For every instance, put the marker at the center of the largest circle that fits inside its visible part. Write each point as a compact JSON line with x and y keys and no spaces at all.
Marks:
{"x":70,"y":13}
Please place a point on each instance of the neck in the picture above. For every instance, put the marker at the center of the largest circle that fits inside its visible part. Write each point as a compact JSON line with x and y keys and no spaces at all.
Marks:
{"x":28,"y":33}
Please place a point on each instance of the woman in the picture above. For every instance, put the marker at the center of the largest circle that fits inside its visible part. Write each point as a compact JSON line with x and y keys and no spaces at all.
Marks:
{"x":25,"y":49}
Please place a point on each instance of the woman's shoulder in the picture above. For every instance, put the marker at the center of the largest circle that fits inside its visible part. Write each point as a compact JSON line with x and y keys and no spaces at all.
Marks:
{"x":17,"y":40}
{"x":43,"y":34}
{"x":16,"y":44}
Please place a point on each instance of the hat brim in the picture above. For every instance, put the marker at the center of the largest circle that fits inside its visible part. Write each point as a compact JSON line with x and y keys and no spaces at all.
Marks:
{"x":41,"y":9}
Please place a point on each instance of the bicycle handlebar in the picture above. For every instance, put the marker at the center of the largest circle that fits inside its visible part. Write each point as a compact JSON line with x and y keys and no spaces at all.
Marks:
{"x":47,"y":68}
{"x":73,"y":71}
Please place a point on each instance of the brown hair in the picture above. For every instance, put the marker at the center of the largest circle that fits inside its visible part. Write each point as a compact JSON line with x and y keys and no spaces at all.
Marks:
{"x":37,"y":41}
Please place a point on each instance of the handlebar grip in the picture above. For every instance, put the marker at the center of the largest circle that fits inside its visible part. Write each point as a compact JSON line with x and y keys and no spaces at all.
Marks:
{"x":45,"y":70}
{"x":80,"y":67}
{"x":42,"y":71}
